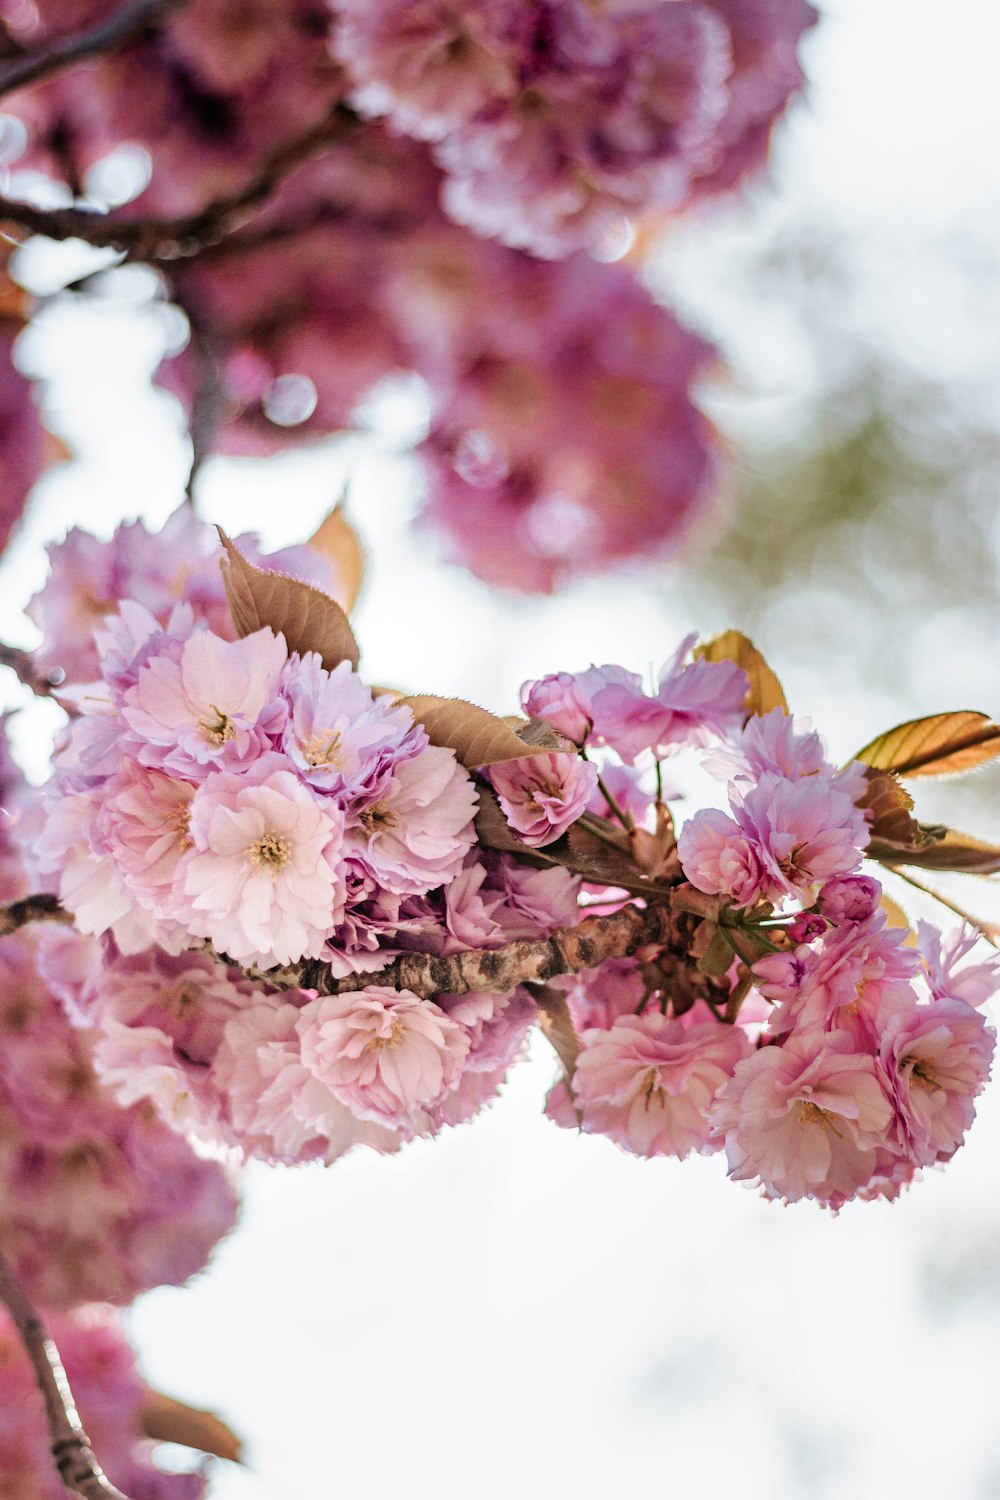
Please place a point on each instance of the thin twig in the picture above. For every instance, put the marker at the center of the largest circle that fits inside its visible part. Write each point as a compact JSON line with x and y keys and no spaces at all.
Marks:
{"x":22,"y":663}
{"x":71,"y":1450}
{"x":183,"y":237}
{"x":105,"y":36}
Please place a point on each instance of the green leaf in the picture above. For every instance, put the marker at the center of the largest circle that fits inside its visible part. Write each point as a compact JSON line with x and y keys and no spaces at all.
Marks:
{"x":765,"y":691}
{"x":941,"y":745}
{"x":308,"y":619}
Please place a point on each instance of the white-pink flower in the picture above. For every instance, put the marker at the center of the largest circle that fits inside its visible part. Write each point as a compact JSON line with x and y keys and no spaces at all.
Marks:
{"x":719,"y":859}
{"x":543,"y":794}
{"x":939,"y":1057}
{"x":416,"y":834}
{"x":805,"y":1119}
{"x":262,"y":880}
{"x":649,"y":1081}
{"x":207,"y":703}
{"x":384,"y":1053}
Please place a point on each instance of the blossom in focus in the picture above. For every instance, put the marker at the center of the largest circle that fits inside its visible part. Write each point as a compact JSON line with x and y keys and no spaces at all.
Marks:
{"x":938,"y":1057}
{"x":385,"y":1053}
{"x":261,"y":879}
{"x":419,"y":830}
{"x":805,"y":1119}
{"x":648,"y":1082}
{"x":693,"y":703}
{"x":542,"y":795}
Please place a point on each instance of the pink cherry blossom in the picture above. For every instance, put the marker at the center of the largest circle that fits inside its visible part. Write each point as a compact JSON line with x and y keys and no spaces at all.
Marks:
{"x":212,"y":705}
{"x":849,"y":898}
{"x":938,"y":1057}
{"x":806,"y":1119}
{"x":693,"y":703}
{"x":720,"y":859}
{"x":944,"y":970}
{"x":262,"y":879}
{"x":342,"y":738}
{"x":556,"y":698}
{"x":648,"y":1082}
{"x":384,"y":1053}
{"x":541,"y":796}
{"x":417,"y":833}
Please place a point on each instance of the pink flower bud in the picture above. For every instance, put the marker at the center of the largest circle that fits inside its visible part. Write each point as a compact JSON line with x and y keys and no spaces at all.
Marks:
{"x":850,"y":898}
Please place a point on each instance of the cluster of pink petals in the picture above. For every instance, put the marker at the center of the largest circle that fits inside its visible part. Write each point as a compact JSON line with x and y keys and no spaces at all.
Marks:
{"x":553,"y":121}
{"x":542,"y":796}
{"x":218,"y":790}
{"x":795,"y":824}
{"x":694,"y":702}
{"x":110,"y":1394}
{"x":89,"y":578}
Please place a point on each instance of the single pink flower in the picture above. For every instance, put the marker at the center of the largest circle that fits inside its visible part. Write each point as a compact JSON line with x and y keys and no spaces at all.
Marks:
{"x":416,"y":835}
{"x":938,"y":1057}
{"x":718,"y":858}
{"x":262,"y":880}
{"x":805,"y":1119}
{"x":649,"y":1081}
{"x":542,"y":795}
{"x":384,"y":1053}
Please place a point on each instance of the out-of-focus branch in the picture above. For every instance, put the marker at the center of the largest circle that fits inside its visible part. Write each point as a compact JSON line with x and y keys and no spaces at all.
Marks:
{"x":71,"y":1450}
{"x":105,"y":36}
{"x":41,"y":908}
{"x":183,"y":237}
{"x":22,"y":663}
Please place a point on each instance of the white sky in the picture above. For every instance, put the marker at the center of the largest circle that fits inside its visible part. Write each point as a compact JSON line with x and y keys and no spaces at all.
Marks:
{"x":513,"y":1309}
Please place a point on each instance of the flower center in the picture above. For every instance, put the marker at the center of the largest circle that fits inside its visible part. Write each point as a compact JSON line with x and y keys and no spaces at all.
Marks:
{"x":376,"y":819}
{"x":920,"y":1074}
{"x":270,"y":852}
{"x":323,"y":749}
{"x":185,"y":997}
{"x":179,"y":822}
{"x":379,"y":1043}
{"x":652,"y":1092}
{"x":218,"y":730}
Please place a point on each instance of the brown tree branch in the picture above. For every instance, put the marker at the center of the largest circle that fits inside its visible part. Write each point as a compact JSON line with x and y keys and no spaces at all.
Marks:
{"x":526,"y":961}
{"x":183,"y":237}
{"x":60,"y":52}
{"x":71,"y":1450}
{"x":22,"y":663}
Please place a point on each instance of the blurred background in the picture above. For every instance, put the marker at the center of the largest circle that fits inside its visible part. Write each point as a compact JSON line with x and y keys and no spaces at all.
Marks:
{"x":511,"y":1308}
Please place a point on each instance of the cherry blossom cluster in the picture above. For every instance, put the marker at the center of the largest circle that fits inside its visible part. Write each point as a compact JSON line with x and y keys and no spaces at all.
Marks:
{"x":564,"y":435}
{"x":90,"y":578}
{"x":553,"y":120}
{"x":830,"y":1058}
{"x":99,"y":1201}
{"x":111,"y":1397}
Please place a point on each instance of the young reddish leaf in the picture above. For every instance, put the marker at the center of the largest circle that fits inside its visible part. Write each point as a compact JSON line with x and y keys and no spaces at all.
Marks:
{"x":890,"y":806}
{"x":940,"y":745}
{"x":165,"y":1420}
{"x":308,"y":619}
{"x":477,"y":737}
{"x":765,"y":691}
{"x":951,"y":851}
{"x":338,"y":542}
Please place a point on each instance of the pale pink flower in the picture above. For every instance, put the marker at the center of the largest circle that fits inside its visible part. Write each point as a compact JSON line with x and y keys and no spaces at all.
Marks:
{"x":938,"y":1057}
{"x":262,"y":880}
{"x":946,"y":974}
{"x":147,"y":817}
{"x":343,"y":739}
{"x":718,"y":858}
{"x":648,"y":1082}
{"x":785,"y":746}
{"x":692,"y":704}
{"x":839,"y":982}
{"x":803,"y":833}
{"x":213,"y":703}
{"x":542,"y":795}
{"x":385,"y":1053}
{"x":599,"y":997}
{"x":805,"y":1119}
{"x":417,"y":833}
{"x":559,"y":700}
{"x":280,"y":1110}
{"x":535,"y":902}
